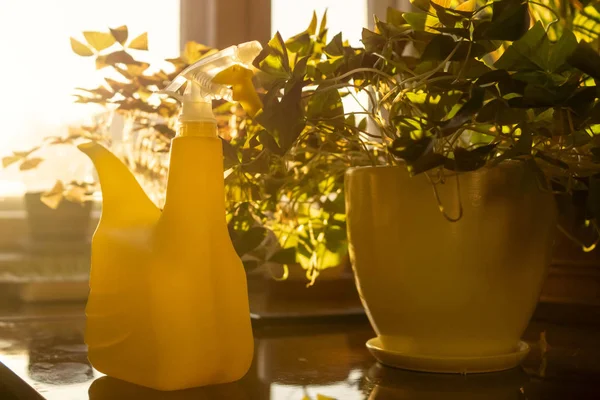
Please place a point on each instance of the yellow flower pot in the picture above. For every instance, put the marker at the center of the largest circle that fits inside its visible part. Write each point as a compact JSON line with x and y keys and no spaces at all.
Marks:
{"x":449,"y":296}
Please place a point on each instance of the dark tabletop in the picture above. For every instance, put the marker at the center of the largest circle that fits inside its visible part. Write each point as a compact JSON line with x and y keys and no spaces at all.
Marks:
{"x":42,"y":356}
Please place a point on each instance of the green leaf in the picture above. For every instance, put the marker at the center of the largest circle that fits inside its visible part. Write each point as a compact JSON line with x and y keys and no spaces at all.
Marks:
{"x":498,"y":111}
{"x":465,"y":113}
{"x":249,"y":240}
{"x":8,"y":160}
{"x":80,"y":48}
{"x":510,"y":20}
{"x":460,"y":32}
{"x":120,"y":34}
{"x":536,"y":96}
{"x":284,"y":256}
{"x":273,"y":59}
{"x":394,"y":17}
{"x":250,"y":265}
{"x":529,"y":52}
{"x":119,"y":57}
{"x":441,"y":46}
{"x":335,"y":48}
{"x":323,"y":25}
{"x":410,"y":150}
{"x":474,"y":69}
{"x":562,"y":50}
{"x":438,"y":48}
{"x":582,"y":100}
{"x":470,"y":160}
{"x":99,"y":40}
{"x":446,"y":15}
{"x":326,"y":106}
{"x":140,"y":42}
{"x":372,"y":41}
{"x":300,"y":68}
{"x":493,"y":76}
{"x":101,"y":62}
{"x":284,"y":119}
{"x":255,"y":163}
{"x":521,"y":148}
{"x":30,"y":163}
{"x":136,"y":68}
{"x":421,"y":4}
{"x":335,"y":238}
{"x":165,"y":130}
{"x":426,"y":162}
{"x":269,"y":142}
{"x":362,"y":125}
{"x":416,"y":20}
{"x":312,"y":27}
{"x":298,"y":43}
{"x":586,"y":59}
{"x":54,"y":196}
{"x":587,"y":21}
{"x":229,"y":152}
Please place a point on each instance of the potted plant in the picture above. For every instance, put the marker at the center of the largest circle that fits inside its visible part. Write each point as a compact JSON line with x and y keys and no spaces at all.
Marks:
{"x":494,"y":118}
{"x":488,"y":112}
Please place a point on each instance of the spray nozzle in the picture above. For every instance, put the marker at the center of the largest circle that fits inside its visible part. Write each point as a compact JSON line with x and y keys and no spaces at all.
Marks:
{"x":202,"y":86}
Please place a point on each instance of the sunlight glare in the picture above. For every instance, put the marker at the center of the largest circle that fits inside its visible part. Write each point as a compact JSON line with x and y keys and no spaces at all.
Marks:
{"x":40,"y":71}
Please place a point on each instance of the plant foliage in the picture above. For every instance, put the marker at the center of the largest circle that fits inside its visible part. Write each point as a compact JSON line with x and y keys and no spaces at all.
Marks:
{"x":454,"y":86}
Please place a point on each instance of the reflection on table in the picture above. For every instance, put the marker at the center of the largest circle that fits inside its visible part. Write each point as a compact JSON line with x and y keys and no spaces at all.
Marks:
{"x":298,"y":359}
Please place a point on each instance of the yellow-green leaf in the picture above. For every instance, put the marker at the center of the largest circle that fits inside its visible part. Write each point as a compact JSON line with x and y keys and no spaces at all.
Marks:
{"x":178,"y":62}
{"x":8,"y":160}
{"x":25,"y":153}
{"x":137,"y":69}
{"x":443,"y":3}
{"x":312,"y":28}
{"x":99,"y":40}
{"x":115,"y":85}
{"x":54,"y":196}
{"x":52,"y":201}
{"x":80,"y":48}
{"x":120,"y":57}
{"x":323,"y":397}
{"x":144,"y":94}
{"x":30,"y":163}
{"x":120,"y":34}
{"x":76,"y":194}
{"x":323,"y":25}
{"x":469,"y":5}
{"x":101,"y":62}
{"x":194,"y":51}
{"x":140,"y":42}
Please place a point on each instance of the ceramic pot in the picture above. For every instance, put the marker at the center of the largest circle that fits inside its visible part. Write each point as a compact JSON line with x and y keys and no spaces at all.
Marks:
{"x":447,"y":296}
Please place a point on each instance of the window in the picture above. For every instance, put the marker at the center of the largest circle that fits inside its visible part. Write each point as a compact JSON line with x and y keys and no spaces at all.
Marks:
{"x":40,"y":70}
{"x":43,"y":71}
{"x":346,"y":16}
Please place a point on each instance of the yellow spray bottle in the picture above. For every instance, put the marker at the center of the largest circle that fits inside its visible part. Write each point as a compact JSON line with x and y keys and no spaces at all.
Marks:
{"x":168,"y":304}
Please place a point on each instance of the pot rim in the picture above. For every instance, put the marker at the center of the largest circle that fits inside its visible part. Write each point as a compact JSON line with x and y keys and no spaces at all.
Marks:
{"x":505,"y":164}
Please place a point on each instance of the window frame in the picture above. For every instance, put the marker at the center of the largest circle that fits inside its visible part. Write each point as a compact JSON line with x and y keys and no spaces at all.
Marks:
{"x":222,"y":23}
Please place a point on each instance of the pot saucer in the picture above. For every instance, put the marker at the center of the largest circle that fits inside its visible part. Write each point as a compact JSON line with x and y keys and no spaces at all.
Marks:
{"x":451,"y":365}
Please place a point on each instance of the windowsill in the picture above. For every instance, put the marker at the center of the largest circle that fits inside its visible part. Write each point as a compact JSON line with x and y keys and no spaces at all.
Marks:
{"x":14,"y":228}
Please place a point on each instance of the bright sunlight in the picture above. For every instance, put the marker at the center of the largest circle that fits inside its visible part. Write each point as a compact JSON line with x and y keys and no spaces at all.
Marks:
{"x":40,"y":70}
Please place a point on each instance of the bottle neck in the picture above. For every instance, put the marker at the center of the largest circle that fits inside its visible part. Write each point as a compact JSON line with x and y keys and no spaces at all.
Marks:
{"x":195,"y":187}
{"x":197,"y":128}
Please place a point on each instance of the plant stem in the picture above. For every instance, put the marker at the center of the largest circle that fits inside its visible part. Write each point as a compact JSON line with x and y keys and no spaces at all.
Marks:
{"x":356,"y":71}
